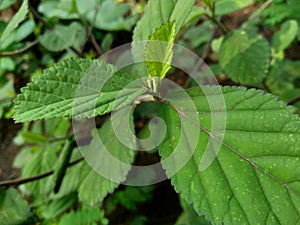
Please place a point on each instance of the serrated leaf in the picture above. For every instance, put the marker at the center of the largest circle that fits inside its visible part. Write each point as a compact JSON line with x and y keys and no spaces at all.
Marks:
{"x":61,"y":37}
{"x":284,"y":38}
{"x":95,"y":186}
{"x":245,"y":57}
{"x":158,"y":53}
{"x":13,"y":208}
{"x":18,"y":18}
{"x":60,"y":90}
{"x":228,"y":6}
{"x":156,"y":13}
{"x":254,"y":177}
{"x":84,"y":217}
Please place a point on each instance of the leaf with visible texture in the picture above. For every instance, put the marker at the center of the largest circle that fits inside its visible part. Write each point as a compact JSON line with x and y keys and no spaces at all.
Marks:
{"x":228,"y":6}
{"x":255,"y":175}
{"x":15,"y":21}
{"x":94,"y":186}
{"x":245,"y":57}
{"x":61,"y":89}
{"x":156,"y":13}
{"x":287,"y":34}
{"x":159,"y":50}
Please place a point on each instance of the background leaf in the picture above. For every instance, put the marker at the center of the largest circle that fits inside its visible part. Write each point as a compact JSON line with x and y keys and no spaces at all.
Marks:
{"x":15,"y":21}
{"x":13,"y":208}
{"x":255,"y":176}
{"x":61,"y":37}
{"x":94,"y":186}
{"x":87,"y":216}
{"x":245,"y":57}
{"x":287,"y":34}
{"x":53,"y":93}
{"x":228,"y":6}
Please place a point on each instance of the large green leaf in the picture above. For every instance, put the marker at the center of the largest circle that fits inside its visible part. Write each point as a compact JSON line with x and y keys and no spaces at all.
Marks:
{"x":245,"y":57}
{"x":13,"y":208}
{"x":228,"y":6}
{"x":255,"y":175}
{"x":75,"y":84}
{"x":95,"y":186}
{"x":159,"y":51}
{"x":284,"y":38}
{"x":61,"y":37}
{"x":18,"y":18}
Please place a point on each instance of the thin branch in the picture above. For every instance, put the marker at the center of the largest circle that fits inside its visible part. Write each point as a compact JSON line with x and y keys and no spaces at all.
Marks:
{"x":294,"y":100}
{"x":38,"y":16}
{"x":18,"y":182}
{"x":258,"y":11}
{"x":21,"y":50}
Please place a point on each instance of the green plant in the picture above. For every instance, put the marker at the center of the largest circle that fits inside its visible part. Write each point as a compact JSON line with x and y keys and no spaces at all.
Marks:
{"x":232,"y":153}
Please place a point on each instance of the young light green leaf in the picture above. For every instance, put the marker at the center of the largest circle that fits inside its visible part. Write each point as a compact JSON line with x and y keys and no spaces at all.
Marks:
{"x":73,"y":86}
{"x":16,"y":20}
{"x":245,"y":57}
{"x":61,"y":37}
{"x":158,"y":12}
{"x":159,"y":51}
{"x":287,"y":34}
{"x":228,"y":6}
{"x":94,"y":186}
{"x":256,"y":183}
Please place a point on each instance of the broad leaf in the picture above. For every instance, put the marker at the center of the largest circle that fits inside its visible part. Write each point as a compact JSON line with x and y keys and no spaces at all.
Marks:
{"x":18,"y":18}
{"x":159,"y":51}
{"x":255,"y":175}
{"x":61,"y":37}
{"x":228,"y":6}
{"x":108,"y":157}
{"x":245,"y":57}
{"x":13,"y":208}
{"x":284,"y":38}
{"x":74,"y":85}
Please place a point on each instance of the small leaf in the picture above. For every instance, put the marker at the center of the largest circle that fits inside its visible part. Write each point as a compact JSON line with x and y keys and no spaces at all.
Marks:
{"x":158,"y":12}
{"x":284,"y":38}
{"x":84,"y":217}
{"x":94,"y":186}
{"x":228,"y":6}
{"x":60,"y":38}
{"x":245,"y":57}
{"x":255,"y":175}
{"x":15,"y":21}
{"x":159,"y":51}
{"x":61,"y":89}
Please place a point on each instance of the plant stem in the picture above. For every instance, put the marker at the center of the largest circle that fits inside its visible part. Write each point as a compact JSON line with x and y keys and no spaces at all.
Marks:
{"x":21,"y":50}
{"x":18,"y":182}
{"x":294,"y":100}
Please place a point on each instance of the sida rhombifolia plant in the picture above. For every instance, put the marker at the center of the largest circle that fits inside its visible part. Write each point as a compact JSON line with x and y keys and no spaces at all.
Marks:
{"x":232,"y":153}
